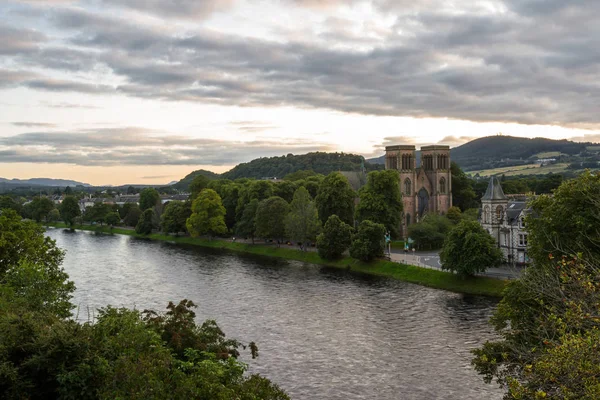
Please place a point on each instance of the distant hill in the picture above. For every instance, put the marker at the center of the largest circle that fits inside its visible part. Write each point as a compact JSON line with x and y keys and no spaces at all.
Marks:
{"x":42,"y":182}
{"x":498,"y":151}
{"x":185,"y":182}
{"x":319,"y":162}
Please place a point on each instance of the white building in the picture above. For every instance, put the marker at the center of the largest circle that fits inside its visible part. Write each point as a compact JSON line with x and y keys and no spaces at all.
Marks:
{"x":504,"y":219}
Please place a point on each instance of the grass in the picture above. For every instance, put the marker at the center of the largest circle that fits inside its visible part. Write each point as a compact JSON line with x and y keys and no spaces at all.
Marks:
{"x":530,"y":169}
{"x":421,"y":276}
{"x":548,"y":154}
{"x":593,"y":148}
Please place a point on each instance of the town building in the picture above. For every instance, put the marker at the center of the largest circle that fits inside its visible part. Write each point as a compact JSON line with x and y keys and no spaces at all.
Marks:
{"x":504,"y":218}
{"x":426,"y":187}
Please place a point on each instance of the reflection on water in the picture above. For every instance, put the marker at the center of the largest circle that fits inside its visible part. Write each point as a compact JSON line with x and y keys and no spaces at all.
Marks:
{"x":322,"y":333}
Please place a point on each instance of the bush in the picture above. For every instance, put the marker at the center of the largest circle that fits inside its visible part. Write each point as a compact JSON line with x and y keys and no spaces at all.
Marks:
{"x":335,"y":239}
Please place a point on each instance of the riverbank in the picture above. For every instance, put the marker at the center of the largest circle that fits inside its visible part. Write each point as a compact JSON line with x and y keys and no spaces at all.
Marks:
{"x":421,"y":276}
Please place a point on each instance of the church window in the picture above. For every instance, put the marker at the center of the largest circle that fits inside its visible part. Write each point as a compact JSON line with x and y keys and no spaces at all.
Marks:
{"x":443,"y":185}
{"x":407,"y":187}
{"x":499,"y":213}
{"x":486,"y":215}
{"x":522,"y":222}
{"x":407,"y":219}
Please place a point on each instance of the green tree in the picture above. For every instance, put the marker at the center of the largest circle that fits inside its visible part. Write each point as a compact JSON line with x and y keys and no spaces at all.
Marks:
{"x":454,"y":214}
{"x":285,"y":190}
{"x":208,"y":215}
{"x":69,"y":210}
{"x":469,"y":249}
{"x":548,"y":319}
{"x":7,"y":202}
{"x":430,"y":232}
{"x":133,"y":215}
{"x":175,"y":216}
{"x":380,"y":200}
{"x":113,"y":219}
{"x":124,"y":210}
{"x":250,"y":190}
{"x":335,"y":239}
{"x":302,"y":223}
{"x":97,"y":213}
{"x":368,"y":243}
{"x":53,"y":216}
{"x":40,"y":208}
{"x":335,"y":196}
{"x":270,"y":217}
{"x":198,"y":184}
{"x":463,"y":194}
{"x":145,"y":224}
{"x":149,"y":198}
{"x":246,"y":227}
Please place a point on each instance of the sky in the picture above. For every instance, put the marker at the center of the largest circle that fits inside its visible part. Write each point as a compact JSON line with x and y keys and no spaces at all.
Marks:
{"x":146,"y":91}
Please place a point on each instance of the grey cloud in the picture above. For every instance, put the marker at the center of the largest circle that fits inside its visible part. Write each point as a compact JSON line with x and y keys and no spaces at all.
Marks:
{"x":34,"y":124}
{"x":517,"y":66}
{"x":16,"y":41}
{"x":185,"y":9}
{"x":136,"y":146}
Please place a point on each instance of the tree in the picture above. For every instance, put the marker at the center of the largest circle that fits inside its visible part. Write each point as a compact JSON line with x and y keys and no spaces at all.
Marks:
{"x":175,"y":216}
{"x":53,"y":216}
{"x":454,"y":214}
{"x":69,"y":210}
{"x":146,"y":222}
{"x":25,"y":241}
{"x":463,"y":195}
{"x":97,"y":213}
{"x":149,"y":198}
{"x":259,"y":190}
{"x":198,"y":184}
{"x":68,"y":191}
{"x":335,"y":239}
{"x":548,"y":319}
{"x":368,"y":242}
{"x":113,"y":219}
{"x":380,"y":200}
{"x":133,"y":215}
{"x":302,"y":223}
{"x":246,"y":227}
{"x":40,"y":208}
{"x":208,"y":215}
{"x":430,"y":232}
{"x":270,"y":217}
{"x":7,"y":202}
{"x":335,"y":196}
{"x":469,"y":249}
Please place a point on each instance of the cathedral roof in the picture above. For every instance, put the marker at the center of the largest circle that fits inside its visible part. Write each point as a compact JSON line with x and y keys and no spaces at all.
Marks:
{"x":494,"y":191}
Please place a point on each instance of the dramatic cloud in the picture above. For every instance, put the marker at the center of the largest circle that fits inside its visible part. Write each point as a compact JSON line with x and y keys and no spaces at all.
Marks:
{"x":525,"y":61}
{"x":136,"y":146}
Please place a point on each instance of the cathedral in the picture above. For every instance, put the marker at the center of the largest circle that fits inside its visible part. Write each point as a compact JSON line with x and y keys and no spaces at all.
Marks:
{"x":425,"y":188}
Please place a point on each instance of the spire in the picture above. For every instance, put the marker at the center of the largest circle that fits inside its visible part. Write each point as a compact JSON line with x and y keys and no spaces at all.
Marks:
{"x":494,"y":191}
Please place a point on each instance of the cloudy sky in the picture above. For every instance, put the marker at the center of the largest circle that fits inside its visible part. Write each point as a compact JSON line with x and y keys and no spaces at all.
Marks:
{"x":145,"y":91}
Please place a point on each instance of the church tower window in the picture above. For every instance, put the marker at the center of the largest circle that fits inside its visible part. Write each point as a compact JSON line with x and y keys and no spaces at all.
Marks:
{"x":443,"y":185}
{"x":407,"y":187}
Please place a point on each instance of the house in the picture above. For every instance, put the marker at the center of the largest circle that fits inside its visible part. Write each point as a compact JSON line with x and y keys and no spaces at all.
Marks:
{"x":504,"y":218}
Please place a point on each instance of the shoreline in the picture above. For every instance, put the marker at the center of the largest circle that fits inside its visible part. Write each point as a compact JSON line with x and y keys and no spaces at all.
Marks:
{"x":483,"y":286}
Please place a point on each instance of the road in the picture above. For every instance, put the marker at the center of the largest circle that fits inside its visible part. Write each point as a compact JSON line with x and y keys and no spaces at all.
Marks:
{"x":431,"y":259}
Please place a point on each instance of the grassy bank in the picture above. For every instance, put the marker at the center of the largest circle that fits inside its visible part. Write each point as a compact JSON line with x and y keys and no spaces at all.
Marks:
{"x":422,"y":276}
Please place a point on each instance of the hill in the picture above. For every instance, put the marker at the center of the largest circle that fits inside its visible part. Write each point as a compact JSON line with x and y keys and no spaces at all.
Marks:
{"x":185,"y":182}
{"x":503,"y":151}
{"x":319,"y":162}
{"x":42,"y":182}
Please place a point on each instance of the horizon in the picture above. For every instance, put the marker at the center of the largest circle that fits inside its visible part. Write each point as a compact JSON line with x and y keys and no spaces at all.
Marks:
{"x":113,"y":91}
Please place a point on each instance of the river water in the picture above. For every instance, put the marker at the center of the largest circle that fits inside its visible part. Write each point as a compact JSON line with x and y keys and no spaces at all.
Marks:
{"x":322,"y":333}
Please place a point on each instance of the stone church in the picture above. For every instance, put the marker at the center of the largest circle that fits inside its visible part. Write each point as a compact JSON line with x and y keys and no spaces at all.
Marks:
{"x":425,"y":188}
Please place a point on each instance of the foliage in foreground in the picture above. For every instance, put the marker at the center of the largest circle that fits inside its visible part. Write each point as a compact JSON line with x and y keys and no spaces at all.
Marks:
{"x":549,"y":320}
{"x":123,"y":354}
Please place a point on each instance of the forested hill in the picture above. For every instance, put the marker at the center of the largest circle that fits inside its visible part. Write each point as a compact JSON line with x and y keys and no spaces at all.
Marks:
{"x":185,"y":182}
{"x":474,"y":154}
{"x":321,"y":163}
{"x":488,"y":151}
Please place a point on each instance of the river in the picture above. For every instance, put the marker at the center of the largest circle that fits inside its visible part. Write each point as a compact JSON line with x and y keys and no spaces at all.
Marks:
{"x":322,"y":333}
